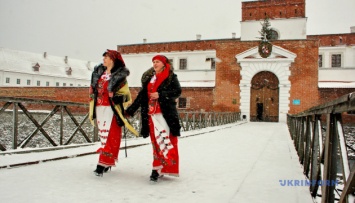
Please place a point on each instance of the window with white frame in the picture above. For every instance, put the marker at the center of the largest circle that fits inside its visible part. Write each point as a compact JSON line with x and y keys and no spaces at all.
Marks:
{"x":28,"y":82}
{"x":182,"y":64}
{"x":38,"y":83}
{"x":64,"y":84}
{"x":320,"y":61}
{"x":336,"y":60}
{"x":47,"y":83}
{"x":18,"y":81}
{"x":7,"y":80}
{"x":57,"y":84}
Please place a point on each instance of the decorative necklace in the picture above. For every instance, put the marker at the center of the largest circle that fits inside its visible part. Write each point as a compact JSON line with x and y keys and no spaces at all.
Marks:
{"x":106,"y":76}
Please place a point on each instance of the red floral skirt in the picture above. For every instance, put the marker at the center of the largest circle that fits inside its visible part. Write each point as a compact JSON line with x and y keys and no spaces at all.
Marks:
{"x":110,"y":135}
{"x":165,"y":146}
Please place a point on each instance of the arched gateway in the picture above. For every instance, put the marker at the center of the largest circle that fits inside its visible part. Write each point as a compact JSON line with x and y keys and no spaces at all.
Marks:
{"x":264,"y":97}
{"x":254,"y":69}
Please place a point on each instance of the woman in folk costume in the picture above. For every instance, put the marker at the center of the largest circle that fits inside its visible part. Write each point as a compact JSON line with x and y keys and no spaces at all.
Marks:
{"x":109,"y":95}
{"x":160,"y":89}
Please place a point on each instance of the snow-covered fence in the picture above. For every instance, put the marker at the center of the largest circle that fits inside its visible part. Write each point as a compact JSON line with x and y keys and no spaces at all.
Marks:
{"x":197,"y":120}
{"x":321,"y":155}
{"x":20,"y":126}
{"x":42,"y":123}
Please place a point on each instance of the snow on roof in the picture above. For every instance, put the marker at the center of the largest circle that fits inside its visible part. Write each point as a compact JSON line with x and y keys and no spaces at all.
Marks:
{"x":23,"y":62}
{"x":337,"y":84}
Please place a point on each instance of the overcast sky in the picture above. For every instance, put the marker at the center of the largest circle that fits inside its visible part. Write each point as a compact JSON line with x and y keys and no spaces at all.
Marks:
{"x":83,"y":29}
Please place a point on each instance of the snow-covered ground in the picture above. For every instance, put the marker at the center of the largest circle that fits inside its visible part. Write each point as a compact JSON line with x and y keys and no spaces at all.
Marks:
{"x":242,"y":162}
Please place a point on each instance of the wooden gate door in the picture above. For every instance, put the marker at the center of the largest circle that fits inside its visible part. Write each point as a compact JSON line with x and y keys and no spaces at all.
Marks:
{"x":264,"y":97}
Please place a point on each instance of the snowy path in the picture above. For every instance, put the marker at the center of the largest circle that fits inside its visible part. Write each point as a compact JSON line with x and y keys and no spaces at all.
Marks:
{"x":235,"y":163}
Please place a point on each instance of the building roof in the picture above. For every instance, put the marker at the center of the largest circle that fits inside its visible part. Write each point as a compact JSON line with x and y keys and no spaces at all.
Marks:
{"x":25,"y":62}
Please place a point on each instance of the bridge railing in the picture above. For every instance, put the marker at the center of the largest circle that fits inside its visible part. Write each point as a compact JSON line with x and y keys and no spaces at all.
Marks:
{"x":197,"y":120}
{"x":28,"y":122}
{"x":41,"y":123}
{"x":325,"y":157}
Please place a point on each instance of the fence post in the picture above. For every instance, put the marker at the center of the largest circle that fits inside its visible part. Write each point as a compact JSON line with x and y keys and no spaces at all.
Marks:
{"x":61,"y":132}
{"x":96,"y":133}
{"x":308,"y":140}
{"x":15,"y":126}
{"x":330,"y":160}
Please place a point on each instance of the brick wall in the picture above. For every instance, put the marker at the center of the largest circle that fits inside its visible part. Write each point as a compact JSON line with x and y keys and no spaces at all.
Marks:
{"x":167,"y":46}
{"x":198,"y":98}
{"x":228,"y":74}
{"x":72,"y":94}
{"x":329,"y":94}
{"x":69,"y":94}
{"x":259,"y":10}
{"x":334,"y":39}
{"x":226,"y":94}
{"x":304,"y":73}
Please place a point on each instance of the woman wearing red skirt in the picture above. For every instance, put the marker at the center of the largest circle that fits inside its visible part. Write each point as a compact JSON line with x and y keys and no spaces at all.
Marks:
{"x":109,"y":94}
{"x":160,"y":121}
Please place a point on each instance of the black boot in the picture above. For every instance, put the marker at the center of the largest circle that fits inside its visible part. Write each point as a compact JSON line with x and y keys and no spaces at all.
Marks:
{"x":154,"y":176}
{"x":99,"y":170}
{"x":107,"y":168}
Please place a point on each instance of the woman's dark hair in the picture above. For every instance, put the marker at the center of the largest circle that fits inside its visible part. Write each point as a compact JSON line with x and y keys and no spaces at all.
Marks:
{"x":117,"y":62}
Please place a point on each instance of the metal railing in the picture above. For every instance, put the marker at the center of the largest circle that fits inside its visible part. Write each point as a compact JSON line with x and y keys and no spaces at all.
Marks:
{"x":323,"y":157}
{"x":63,"y":122}
{"x":198,"y":120}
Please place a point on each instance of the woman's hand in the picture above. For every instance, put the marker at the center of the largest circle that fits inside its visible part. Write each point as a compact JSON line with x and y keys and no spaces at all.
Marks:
{"x":154,"y":95}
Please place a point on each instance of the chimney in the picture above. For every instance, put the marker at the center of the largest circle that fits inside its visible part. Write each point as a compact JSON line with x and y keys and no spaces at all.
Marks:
{"x":144,"y":40}
{"x":233,"y":35}
{"x":45,"y":55}
{"x":198,"y":37}
{"x":88,"y":65}
{"x":66,"y":59}
{"x":352,"y":29}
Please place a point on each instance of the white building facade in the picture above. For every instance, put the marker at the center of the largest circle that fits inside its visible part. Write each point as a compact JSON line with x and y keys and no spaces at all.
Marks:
{"x":193,"y":68}
{"x":24,"y":69}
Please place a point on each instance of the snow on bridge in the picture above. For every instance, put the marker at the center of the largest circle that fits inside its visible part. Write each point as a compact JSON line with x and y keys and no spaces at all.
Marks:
{"x":240,"y":162}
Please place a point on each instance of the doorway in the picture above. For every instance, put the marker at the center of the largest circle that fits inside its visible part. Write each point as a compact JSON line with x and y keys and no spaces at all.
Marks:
{"x":264,"y":97}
